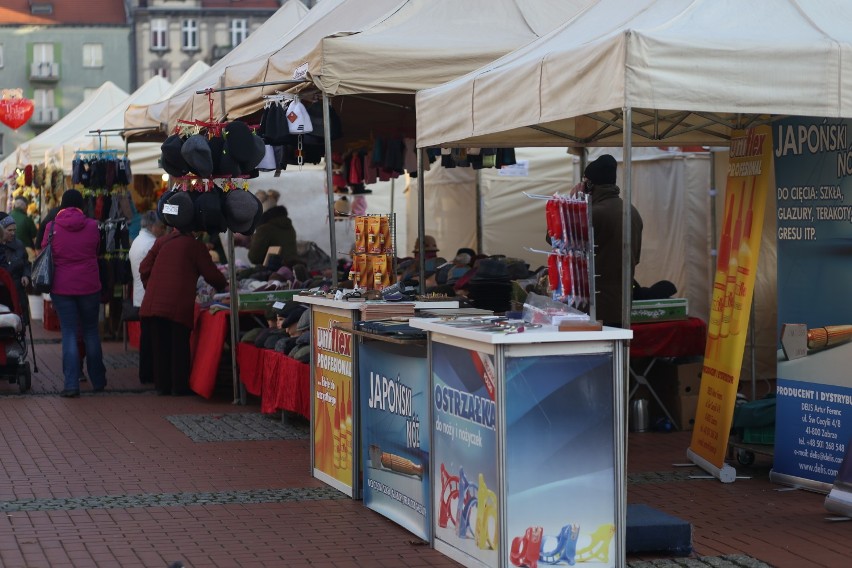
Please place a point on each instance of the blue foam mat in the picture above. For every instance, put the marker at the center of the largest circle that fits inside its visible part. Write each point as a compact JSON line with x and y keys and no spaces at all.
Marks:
{"x":650,"y":530}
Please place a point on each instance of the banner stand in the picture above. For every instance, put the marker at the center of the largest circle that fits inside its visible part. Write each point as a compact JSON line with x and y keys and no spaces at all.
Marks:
{"x":726,"y":474}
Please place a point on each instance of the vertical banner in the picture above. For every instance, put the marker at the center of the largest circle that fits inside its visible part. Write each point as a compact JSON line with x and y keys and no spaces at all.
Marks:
{"x":465,"y":453}
{"x":332,"y":412}
{"x":813,"y":165}
{"x":560,"y":471}
{"x":749,"y":177}
{"x":395,"y":411}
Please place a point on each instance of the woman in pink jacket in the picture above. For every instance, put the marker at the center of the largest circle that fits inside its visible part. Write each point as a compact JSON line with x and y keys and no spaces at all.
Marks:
{"x":76,"y":290}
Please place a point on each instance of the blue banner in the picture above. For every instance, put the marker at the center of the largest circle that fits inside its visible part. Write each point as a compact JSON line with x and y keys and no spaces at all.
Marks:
{"x":395,"y":422}
{"x":812,"y":426}
{"x":560,"y":471}
{"x":813,"y":164}
{"x":465,"y":451}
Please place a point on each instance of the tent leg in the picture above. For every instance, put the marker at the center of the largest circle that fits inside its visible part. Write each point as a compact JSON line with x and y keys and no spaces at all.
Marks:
{"x":239,"y":393}
{"x":329,"y":188}
{"x":421,"y":218}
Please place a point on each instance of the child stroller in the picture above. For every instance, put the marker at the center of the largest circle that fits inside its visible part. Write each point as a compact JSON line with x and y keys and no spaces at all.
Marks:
{"x":13,"y":339}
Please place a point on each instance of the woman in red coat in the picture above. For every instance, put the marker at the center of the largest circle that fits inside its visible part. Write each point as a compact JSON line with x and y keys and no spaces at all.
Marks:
{"x":170,"y":272}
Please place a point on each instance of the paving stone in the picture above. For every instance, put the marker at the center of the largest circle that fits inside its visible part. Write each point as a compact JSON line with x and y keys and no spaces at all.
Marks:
{"x":238,"y":427}
{"x":173,"y":499}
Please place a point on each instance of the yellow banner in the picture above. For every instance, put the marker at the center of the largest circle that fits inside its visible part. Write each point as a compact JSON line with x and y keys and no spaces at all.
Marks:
{"x":332,"y":417}
{"x":750,"y":173}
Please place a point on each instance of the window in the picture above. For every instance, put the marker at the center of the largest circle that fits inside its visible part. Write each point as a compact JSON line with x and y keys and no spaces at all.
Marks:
{"x":161,"y":70}
{"x":189,"y":35}
{"x":159,"y":34}
{"x":43,"y":99}
{"x":93,"y":55}
{"x":239,"y":32}
{"x":42,"y":53}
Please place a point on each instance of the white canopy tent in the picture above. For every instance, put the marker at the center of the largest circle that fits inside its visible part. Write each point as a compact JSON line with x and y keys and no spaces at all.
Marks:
{"x":143,"y":157}
{"x":689,"y":70}
{"x":36,"y":150}
{"x":146,"y":115}
{"x":385,"y":47}
{"x":171,"y":107}
{"x":678,"y":72}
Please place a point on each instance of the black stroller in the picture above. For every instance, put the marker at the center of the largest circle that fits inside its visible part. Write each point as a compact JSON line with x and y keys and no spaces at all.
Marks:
{"x":13,"y":338}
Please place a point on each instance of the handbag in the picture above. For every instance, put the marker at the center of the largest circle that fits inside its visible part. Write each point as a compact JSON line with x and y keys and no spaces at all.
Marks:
{"x":42,"y":271}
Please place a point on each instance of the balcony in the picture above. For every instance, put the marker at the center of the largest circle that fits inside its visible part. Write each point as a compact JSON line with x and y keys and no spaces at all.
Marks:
{"x":45,"y":116}
{"x":44,"y":71}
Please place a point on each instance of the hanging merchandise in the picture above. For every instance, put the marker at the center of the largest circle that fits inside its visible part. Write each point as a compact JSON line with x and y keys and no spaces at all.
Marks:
{"x":570,"y":261}
{"x":373,"y":261}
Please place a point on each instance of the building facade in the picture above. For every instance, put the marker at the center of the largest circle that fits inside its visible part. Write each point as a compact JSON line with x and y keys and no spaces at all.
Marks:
{"x":57,"y":52}
{"x":171,"y":35}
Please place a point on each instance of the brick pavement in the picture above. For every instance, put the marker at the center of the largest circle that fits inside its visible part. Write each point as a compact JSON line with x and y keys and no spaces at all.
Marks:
{"x":127,"y":478}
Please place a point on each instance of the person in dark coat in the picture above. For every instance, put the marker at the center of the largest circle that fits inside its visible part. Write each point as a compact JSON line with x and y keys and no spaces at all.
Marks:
{"x":599,"y":178}
{"x":170,"y":272}
{"x":275,"y":230}
{"x":26,"y":227}
{"x":14,"y":258}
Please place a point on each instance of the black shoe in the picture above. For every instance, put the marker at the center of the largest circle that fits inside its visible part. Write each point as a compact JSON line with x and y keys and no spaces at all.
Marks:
{"x":68,"y":393}
{"x":99,"y":389}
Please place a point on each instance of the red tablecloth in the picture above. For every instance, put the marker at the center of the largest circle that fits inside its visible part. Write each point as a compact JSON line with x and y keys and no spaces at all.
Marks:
{"x":679,"y":338}
{"x":249,"y":365}
{"x":281,"y":382}
{"x":207,"y":340}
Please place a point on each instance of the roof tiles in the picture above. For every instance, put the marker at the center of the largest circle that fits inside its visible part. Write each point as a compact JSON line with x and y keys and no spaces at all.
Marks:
{"x":18,"y":12}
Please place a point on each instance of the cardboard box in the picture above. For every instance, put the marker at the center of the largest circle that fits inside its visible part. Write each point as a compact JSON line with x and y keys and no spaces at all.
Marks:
{"x":673,"y":380}
{"x":684,"y":411}
{"x":659,"y":310}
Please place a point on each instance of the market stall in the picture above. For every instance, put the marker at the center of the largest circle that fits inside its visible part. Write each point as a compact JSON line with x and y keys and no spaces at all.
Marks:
{"x":632,"y":80}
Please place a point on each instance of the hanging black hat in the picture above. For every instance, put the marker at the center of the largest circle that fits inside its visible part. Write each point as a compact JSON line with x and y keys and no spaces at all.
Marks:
{"x":209,"y":216}
{"x":171,"y":157}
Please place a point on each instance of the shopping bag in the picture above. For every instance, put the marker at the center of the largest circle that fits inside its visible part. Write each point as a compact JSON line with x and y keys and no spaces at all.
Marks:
{"x":42,"y":271}
{"x":41,"y":276}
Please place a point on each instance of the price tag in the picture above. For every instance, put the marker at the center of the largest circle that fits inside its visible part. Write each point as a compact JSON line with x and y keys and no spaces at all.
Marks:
{"x":170,"y":209}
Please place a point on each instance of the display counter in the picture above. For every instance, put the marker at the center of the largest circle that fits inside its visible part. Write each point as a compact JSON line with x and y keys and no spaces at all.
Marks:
{"x":335,"y":425}
{"x":528,"y":443}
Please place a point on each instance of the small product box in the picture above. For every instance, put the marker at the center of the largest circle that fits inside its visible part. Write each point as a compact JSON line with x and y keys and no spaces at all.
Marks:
{"x":644,"y":311}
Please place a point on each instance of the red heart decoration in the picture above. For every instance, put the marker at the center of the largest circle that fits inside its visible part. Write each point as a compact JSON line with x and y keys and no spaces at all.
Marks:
{"x":14,"y":113}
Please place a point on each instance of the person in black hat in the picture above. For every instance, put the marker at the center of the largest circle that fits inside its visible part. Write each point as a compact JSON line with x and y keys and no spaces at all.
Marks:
{"x":599,"y":181}
{"x":275,"y":230}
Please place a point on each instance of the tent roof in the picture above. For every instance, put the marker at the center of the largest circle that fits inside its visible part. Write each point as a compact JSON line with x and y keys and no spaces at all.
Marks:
{"x":690,"y":70}
{"x":168,"y":110}
{"x":150,"y":91}
{"x":79,"y":120}
{"x":146,"y":115}
{"x":391,"y":48}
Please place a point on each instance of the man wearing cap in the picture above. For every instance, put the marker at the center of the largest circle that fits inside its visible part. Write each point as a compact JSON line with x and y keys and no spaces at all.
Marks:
{"x":26,"y":229}
{"x":599,"y":180}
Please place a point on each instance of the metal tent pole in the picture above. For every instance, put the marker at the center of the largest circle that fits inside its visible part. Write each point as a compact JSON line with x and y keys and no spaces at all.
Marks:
{"x":239,"y":390}
{"x":329,"y":187}
{"x":421,"y":219}
{"x":621,"y":395}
